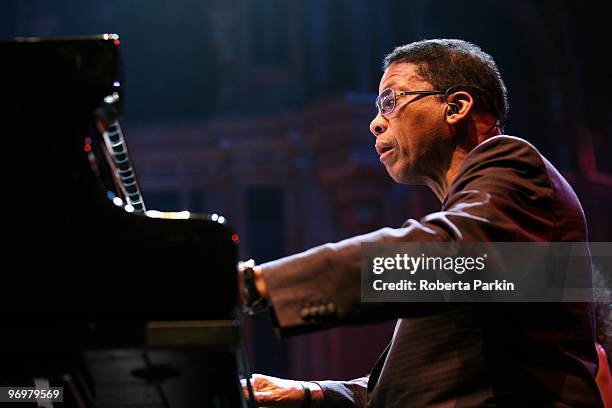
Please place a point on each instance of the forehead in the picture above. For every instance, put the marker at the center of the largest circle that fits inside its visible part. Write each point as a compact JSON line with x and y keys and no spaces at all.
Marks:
{"x":401,"y":74}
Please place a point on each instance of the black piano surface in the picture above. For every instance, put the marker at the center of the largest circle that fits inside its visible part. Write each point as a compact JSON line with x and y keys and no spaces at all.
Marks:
{"x":86,"y":284}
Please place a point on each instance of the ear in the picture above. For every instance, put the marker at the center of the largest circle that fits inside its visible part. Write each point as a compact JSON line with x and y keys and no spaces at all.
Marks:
{"x":459,"y":105}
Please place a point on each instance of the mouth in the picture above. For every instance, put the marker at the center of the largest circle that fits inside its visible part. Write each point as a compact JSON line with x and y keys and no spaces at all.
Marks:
{"x":383,"y":148}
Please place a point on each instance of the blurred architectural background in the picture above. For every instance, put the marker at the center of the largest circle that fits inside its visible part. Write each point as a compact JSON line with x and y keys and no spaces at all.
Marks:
{"x":259,"y":110}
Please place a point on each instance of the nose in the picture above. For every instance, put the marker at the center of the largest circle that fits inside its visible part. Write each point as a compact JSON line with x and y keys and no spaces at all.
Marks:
{"x":378,"y":125}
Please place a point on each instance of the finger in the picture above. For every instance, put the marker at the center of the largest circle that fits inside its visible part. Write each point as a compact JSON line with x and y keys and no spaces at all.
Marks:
{"x":264,"y":397}
{"x":245,"y":387}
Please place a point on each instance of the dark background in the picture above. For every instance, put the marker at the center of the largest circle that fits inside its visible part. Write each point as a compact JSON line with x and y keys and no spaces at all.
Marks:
{"x":258,"y":110}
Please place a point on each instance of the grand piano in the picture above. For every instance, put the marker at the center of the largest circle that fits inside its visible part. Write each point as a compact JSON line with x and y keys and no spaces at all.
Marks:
{"x":118,"y":305}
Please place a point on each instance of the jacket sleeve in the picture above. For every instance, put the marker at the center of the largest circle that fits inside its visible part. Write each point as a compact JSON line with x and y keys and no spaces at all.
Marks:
{"x":501,"y":193}
{"x":341,"y":394}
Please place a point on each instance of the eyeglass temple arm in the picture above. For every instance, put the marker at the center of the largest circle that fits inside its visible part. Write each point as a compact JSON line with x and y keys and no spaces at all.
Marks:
{"x":433,"y":92}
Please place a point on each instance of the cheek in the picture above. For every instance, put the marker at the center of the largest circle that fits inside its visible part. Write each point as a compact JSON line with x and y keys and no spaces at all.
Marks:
{"x":424,"y":131}
{"x":411,"y":138}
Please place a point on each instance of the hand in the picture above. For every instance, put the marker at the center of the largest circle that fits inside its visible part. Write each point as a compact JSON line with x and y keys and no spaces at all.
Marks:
{"x":277,"y":392}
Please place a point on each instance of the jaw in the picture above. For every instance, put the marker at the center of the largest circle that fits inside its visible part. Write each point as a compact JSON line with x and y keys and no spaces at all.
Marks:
{"x":424,"y":175}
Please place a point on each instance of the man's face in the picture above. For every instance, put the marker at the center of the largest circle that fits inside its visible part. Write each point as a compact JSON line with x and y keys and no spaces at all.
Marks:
{"x":413,"y":140}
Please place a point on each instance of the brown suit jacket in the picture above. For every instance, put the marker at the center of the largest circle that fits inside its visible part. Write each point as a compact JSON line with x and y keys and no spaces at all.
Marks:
{"x":458,"y":355}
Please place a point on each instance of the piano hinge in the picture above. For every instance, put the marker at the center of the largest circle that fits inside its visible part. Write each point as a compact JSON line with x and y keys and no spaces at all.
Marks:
{"x":203,"y":334}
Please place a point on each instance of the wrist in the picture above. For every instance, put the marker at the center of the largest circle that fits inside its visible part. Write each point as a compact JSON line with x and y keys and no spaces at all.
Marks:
{"x":307,"y":399}
{"x":315,"y":392}
{"x":251,"y":282}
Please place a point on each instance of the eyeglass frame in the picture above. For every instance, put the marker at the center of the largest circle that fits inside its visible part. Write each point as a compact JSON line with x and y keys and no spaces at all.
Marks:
{"x":425,"y":92}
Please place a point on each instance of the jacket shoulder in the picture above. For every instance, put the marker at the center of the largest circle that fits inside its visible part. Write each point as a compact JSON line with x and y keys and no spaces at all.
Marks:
{"x":505,"y":160}
{"x":508,"y":147}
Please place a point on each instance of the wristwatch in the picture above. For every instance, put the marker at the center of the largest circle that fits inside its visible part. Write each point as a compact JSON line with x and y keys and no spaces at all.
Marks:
{"x":253,"y":301}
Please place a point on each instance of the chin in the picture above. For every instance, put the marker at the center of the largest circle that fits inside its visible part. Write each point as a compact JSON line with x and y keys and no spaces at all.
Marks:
{"x":395,"y":178}
{"x":398,"y":177}
{"x":408,"y":178}
{"x":400,"y":174}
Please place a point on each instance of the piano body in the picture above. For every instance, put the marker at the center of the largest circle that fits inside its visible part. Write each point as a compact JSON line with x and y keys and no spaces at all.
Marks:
{"x":119,"y":308}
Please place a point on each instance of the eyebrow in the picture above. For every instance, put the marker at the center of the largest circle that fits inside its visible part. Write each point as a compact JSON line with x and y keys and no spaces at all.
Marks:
{"x":390,"y":84}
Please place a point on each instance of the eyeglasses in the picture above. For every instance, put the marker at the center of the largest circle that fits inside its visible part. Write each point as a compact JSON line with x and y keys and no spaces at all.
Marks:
{"x":386,"y":101}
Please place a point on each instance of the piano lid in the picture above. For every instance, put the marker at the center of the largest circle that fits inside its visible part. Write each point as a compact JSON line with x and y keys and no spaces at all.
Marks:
{"x":71,"y":253}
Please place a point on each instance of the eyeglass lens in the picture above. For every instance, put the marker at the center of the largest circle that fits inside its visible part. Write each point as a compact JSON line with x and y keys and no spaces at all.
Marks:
{"x":386,"y":101}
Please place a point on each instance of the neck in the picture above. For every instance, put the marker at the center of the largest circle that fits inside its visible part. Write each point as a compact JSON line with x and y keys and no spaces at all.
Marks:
{"x":441,"y":184}
{"x":477,"y":132}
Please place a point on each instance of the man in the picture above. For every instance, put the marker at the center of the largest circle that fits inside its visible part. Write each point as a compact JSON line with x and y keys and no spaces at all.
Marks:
{"x":441,"y":107}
